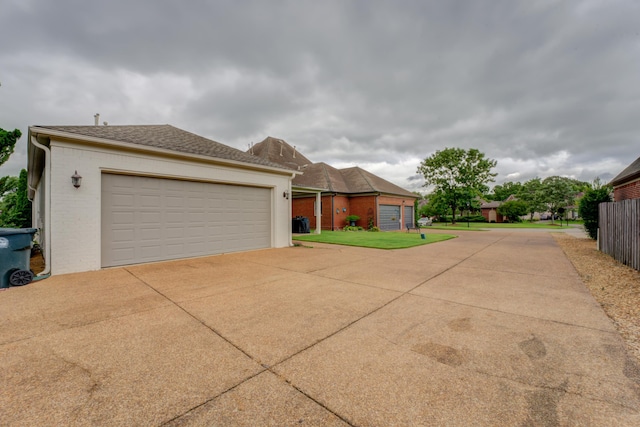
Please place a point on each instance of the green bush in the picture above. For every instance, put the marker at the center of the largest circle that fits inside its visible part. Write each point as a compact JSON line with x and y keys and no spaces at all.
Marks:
{"x":472,"y":218}
{"x":353,"y":228}
{"x":588,"y":208}
{"x":513,"y":210}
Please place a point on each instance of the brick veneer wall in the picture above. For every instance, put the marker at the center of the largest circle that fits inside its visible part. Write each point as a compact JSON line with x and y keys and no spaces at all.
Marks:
{"x":304,"y":207}
{"x":339,"y":214}
{"x":627,"y":191}
{"x":397,"y":201}
{"x":486,"y":214}
{"x":364,"y":207}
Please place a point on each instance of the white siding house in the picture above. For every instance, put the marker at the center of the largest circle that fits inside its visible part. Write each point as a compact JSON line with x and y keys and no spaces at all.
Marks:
{"x":150,"y":193}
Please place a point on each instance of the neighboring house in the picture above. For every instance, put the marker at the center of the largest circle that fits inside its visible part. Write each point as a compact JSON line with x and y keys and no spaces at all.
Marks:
{"x":490,"y":211}
{"x":344,"y":192}
{"x":572,"y":209}
{"x":150,"y":193}
{"x":627,"y":184}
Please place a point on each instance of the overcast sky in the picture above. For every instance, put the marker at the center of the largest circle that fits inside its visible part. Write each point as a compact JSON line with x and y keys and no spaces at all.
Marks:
{"x":544,"y":87}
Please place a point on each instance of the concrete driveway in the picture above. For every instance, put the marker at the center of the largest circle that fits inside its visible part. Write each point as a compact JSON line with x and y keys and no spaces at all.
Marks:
{"x":486,"y":329}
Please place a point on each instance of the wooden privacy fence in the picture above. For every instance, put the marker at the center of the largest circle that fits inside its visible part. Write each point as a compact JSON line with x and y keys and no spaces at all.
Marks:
{"x":619,"y":224}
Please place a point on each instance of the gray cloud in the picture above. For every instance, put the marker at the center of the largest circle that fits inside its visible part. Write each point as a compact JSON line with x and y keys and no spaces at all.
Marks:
{"x":546,"y":88}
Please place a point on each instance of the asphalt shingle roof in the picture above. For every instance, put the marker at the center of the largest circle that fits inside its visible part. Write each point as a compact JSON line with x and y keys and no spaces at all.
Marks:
{"x":321,"y":175}
{"x":630,"y":172}
{"x":169,"y":138}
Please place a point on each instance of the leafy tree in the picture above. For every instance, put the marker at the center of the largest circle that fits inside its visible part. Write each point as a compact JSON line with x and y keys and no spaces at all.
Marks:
{"x":558,"y":193}
{"x":532,"y":193}
{"x":588,"y":208}
{"x":7,"y":143}
{"x":513,"y":210}
{"x":8,"y":184}
{"x":436,"y":206}
{"x":502,"y":192}
{"x":15,"y":207}
{"x":458,"y":175}
{"x":579,"y":186}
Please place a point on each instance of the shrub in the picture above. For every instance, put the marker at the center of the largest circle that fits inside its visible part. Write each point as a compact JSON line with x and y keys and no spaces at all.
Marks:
{"x":588,"y":208}
{"x":513,"y":210}
{"x":353,"y":228}
{"x":350,"y":218}
{"x":472,"y":218}
{"x":374,"y":229}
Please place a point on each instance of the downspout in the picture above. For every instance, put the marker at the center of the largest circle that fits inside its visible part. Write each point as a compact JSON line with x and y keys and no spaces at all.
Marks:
{"x":377,"y":211}
{"x":47,"y":209}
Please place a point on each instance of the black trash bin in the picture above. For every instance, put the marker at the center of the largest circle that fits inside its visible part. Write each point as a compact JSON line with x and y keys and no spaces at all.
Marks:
{"x":15,"y":256}
{"x":300,"y":225}
{"x":304,"y":224}
{"x":296,"y":224}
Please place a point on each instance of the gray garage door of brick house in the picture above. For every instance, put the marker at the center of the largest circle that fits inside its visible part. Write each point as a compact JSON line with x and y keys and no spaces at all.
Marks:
{"x":408,"y":216}
{"x":389,"y":217}
{"x":154,"y":219}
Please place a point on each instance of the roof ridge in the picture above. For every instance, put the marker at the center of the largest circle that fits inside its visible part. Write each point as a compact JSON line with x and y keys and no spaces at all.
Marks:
{"x":323,"y":165}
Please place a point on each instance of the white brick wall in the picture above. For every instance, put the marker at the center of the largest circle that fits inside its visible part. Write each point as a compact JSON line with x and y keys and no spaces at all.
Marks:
{"x":75,"y":213}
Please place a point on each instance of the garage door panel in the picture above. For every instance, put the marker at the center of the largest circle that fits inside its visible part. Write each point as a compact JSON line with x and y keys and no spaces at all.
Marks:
{"x":150,"y":233}
{"x":147,"y":201}
{"x":152,"y":219}
{"x":389,"y":217}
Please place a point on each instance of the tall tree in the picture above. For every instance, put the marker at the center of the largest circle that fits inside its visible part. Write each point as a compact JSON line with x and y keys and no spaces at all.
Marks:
{"x":435,"y":207}
{"x":7,"y":143}
{"x":559,"y":193}
{"x":502,"y":192}
{"x":532,"y":193}
{"x":457,"y":175}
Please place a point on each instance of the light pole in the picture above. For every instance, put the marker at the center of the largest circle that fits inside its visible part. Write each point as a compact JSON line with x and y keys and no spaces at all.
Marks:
{"x":468,"y":212}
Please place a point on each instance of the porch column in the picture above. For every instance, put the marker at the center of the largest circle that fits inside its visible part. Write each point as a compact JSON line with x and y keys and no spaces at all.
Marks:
{"x":318,"y":213}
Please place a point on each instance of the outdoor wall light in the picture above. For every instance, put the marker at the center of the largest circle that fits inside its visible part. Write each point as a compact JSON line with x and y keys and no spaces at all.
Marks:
{"x":76,"y":179}
{"x":286,"y":194}
{"x":344,"y":209}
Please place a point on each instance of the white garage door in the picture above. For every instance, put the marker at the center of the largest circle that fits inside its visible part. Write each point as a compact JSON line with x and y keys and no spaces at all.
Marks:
{"x":153,"y":219}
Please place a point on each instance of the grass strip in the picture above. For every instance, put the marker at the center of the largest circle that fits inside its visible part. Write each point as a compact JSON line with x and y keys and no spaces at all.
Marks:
{"x":367,"y":239}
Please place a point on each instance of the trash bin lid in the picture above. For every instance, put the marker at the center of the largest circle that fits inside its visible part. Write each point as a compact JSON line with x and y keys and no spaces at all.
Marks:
{"x":12,"y":231}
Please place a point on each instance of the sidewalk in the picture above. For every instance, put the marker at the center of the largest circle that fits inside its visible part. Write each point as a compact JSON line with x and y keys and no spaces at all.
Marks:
{"x":485,"y":329}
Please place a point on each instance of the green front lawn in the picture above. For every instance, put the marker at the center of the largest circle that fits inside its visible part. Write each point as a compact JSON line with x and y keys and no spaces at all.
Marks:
{"x":484,"y":225}
{"x":367,"y":239}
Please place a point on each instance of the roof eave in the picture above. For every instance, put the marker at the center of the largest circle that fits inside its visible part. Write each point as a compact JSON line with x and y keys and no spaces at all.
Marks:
{"x":623,"y":180}
{"x":73,"y":137}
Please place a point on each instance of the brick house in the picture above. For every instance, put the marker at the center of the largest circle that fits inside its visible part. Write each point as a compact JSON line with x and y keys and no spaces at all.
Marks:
{"x":627,"y":184}
{"x":344,"y":192}
{"x":490,"y":211}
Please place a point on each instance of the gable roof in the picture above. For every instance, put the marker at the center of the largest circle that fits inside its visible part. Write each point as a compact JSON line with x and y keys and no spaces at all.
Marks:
{"x":353,"y":180}
{"x":322,"y":175}
{"x":164,"y":137}
{"x":631,"y":172}
{"x":363,"y":181}
{"x":491,"y":205}
{"x":278,"y":151}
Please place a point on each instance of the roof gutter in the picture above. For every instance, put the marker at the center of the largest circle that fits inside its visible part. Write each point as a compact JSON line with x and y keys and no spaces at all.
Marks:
{"x":47,"y":206}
